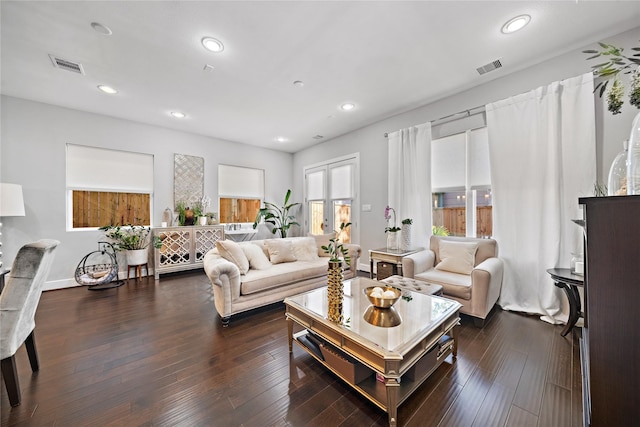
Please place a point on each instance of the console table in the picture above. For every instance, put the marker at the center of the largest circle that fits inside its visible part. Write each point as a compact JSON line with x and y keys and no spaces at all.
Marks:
{"x":184,"y":248}
{"x":569,"y":282}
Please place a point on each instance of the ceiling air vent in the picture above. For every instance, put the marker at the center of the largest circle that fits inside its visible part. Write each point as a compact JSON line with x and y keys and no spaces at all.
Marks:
{"x":489,"y":67}
{"x":66,"y":65}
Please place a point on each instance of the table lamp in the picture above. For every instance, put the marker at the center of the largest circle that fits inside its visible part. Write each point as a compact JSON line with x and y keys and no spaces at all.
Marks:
{"x":11,"y":204}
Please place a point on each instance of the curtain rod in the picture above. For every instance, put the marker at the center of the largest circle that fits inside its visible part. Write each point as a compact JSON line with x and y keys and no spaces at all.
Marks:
{"x":451,"y":117}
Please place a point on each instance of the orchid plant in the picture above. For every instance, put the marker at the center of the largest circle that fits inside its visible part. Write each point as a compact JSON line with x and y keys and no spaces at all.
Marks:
{"x":387,"y":215}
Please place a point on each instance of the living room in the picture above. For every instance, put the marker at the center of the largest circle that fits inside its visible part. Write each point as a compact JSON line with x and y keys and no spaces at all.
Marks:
{"x":35,"y":134}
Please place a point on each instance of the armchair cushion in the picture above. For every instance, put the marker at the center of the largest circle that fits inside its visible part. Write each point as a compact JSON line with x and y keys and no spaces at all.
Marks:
{"x":453,"y":284}
{"x":457,"y":257}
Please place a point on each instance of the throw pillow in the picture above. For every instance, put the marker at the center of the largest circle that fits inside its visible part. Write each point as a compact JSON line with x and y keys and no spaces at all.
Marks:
{"x":305,"y":249}
{"x":457,"y":257}
{"x":231,"y":251}
{"x":280,"y":250}
{"x":322,"y":240}
{"x":257,"y":259}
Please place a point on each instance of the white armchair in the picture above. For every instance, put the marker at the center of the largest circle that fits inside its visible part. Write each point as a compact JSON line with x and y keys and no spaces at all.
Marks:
{"x":468,"y":270}
{"x":18,"y":303}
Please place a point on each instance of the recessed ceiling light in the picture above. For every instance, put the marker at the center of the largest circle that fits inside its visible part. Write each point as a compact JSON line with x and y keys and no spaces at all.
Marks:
{"x":212,"y":44}
{"x":281,"y":139}
{"x":348,"y":106}
{"x":107,"y":89}
{"x":209,"y":67}
{"x":102,"y":29}
{"x":298,"y":83}
{"x":516,"y":24}
{"x":178,"y":114}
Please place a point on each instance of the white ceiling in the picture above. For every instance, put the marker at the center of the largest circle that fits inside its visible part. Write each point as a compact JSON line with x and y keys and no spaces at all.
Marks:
{"x":385,"y":56}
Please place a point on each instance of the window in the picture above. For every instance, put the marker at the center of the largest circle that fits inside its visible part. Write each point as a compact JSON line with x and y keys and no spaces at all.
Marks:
{"x":461,"y":183}
{"x":241,"y":191}
{"x":107,"y":187}
{"x":330,"y":195}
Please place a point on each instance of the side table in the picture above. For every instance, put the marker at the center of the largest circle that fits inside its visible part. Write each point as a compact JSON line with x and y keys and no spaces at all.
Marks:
{"x":569,"y":282}
{"x":388,"y":262}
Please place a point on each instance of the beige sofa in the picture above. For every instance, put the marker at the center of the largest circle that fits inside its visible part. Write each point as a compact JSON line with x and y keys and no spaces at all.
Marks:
{"x":252,"y":274}
{"x":468,"y":270}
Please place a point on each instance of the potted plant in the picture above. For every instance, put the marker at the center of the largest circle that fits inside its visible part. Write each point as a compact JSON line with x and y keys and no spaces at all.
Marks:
{"x":336,"y":250}
{"x":406,"y":234}
{"x":133,"y":240}
{"x":278,"y":216}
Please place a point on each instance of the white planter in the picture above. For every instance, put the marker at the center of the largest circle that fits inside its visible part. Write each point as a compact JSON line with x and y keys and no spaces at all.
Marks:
{"x":137,"y":257}
{"x":203,"y":220}
{"x":405,"y":243}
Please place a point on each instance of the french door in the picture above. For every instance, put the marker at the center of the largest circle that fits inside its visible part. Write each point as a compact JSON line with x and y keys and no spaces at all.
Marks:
{"x":331,"y":197}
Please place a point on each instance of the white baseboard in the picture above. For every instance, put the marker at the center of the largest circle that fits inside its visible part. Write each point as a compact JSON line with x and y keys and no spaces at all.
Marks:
{"x":53,"y":285}
{"x":59,"y":284}
{"x":364,"y":267}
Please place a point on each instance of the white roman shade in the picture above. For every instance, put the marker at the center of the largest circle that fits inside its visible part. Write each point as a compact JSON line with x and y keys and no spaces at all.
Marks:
{"x":448,"y":163}
{"x":315,"y":185}
{"x":341,"y":182}
{"x":240,"y":182}
{"x":101,"y":169}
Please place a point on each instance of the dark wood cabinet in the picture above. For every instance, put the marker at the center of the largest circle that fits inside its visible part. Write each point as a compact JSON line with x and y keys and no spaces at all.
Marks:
{"x":610,"y":346}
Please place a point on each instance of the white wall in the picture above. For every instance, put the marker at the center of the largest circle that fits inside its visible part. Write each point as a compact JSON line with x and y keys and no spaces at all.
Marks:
{"x":372,"y":145}
{"x":34,"y":136}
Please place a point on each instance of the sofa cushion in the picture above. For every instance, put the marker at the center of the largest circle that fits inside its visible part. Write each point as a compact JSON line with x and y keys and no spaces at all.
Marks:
{"x":456,"y":285}
{"x":281,"y":274}
{"x":230,"y":250}
{"x":256,"y":257}
{"x":322,"y":240}
{"x":280,"y":250}
{"x":305,"y":249}
{"x":457,"y":257}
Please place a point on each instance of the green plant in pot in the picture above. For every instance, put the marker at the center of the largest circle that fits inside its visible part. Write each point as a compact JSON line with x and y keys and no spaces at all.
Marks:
{"x":278,"y":216}
{"x":134,"y":240}
{"x":336,"y":250}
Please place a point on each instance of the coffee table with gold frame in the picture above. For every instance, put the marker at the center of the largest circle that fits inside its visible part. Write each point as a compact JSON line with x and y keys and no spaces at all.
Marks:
{"x":385,"y":364}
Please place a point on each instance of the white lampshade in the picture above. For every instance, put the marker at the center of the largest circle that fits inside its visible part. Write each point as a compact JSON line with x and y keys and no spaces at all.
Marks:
{"x":11,"y":201}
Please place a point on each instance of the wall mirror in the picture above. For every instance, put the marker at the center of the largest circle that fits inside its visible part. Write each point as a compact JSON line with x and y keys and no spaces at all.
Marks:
{"x":188,"y":179}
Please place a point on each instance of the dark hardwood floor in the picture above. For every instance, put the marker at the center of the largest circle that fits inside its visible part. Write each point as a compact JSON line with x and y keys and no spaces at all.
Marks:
{"x":156,"y":354}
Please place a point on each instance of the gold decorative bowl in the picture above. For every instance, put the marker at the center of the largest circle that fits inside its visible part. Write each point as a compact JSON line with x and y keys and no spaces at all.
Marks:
{"x":383,"y":302}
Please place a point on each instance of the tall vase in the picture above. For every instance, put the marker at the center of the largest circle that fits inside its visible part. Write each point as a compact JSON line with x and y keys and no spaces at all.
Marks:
{"x":392,"y":240}
{"x":405,"y":244}
{"x":335,"y":291}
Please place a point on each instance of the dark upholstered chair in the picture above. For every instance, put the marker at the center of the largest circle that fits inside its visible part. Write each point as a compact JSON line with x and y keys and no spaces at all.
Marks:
{"x":18,"y":304}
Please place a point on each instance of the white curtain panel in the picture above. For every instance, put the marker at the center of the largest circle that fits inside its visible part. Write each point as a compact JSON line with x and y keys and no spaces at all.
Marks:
{"x":542,"y":148}
{"x":410,"y":179}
